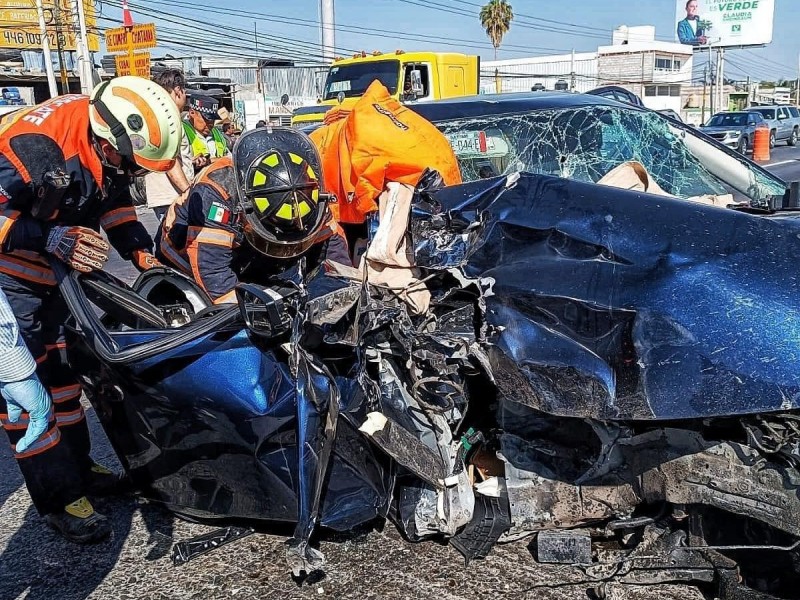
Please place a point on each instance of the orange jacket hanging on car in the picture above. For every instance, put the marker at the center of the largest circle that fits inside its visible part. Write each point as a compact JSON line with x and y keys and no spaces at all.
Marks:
{"x":379,"y":140}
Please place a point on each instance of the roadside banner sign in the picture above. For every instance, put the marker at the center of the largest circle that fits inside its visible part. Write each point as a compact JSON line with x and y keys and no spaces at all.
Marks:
{"x":708,"y":24}
{"x":141,"y":64}
{"x":143,"y":37}
{"x":19,"y":24}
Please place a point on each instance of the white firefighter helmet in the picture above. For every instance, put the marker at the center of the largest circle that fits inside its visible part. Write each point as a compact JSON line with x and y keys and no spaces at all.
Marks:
{"x":140,"y":119}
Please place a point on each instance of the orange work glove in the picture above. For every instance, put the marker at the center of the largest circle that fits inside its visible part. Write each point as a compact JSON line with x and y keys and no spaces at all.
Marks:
{"x":143,"y":260}
{"x":79,"y":247}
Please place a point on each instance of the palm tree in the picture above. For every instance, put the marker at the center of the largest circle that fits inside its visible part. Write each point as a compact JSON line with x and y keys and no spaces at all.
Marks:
{"x":496,"y":19}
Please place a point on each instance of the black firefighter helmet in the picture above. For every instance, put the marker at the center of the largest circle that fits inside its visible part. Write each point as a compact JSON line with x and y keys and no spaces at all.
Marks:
{"x":280,"y":190}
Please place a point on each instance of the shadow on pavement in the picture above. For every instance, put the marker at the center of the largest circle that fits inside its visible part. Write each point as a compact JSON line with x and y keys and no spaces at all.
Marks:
{"x":11,"y":480}
{"x":38,"y":560}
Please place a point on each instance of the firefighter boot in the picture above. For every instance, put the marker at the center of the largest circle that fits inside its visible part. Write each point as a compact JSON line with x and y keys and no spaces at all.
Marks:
{"x":79,"y":523}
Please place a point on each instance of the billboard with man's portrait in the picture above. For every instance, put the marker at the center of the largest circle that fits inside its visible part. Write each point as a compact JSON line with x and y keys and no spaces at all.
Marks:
{"x":718,"y":24}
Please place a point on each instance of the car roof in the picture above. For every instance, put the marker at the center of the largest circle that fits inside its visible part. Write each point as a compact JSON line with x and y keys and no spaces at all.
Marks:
{"x":499,"y":104}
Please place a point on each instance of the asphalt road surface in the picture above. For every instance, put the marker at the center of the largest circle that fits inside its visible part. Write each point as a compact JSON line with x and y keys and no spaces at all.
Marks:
{"x":784,"y":161}
{"x":36,"y":564}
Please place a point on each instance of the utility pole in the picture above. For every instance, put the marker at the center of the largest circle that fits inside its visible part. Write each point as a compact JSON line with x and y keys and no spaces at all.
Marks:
{"x":262,"y":96}
{"x":721,"y":80}
{"x":572,"y":73}
{"x":713,"y":71}
{"x":747,"y":104}
{"x":328,"y":25}
{"x":797,"y":85}
{"x":48,"y":59}
{"x":705,"y":86}
{"x":60,"y":45}
{"x":82,"y":44}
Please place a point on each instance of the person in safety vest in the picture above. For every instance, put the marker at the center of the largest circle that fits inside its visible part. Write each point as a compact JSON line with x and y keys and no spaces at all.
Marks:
{"x":207,"y":143}
{"x":65,"y":171}
{"x":265,"y":200}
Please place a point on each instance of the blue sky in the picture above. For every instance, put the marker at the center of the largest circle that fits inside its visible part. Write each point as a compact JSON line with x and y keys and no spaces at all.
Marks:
{"x":288,"y":27}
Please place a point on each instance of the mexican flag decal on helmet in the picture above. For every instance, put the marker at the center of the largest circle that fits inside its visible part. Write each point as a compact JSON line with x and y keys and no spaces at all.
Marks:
{"x":219,"y":214}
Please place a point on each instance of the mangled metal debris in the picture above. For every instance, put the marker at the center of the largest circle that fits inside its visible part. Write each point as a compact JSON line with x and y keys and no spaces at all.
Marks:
{"x":185,"y":551}
{"x":614,"y":374}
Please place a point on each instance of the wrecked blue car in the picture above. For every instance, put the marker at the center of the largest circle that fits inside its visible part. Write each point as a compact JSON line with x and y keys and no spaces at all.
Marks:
{"x":608,"y":361}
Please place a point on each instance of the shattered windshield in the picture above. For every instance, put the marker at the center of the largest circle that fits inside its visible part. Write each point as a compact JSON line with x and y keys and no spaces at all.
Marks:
{"x":353,"y":80}
{"x":586,"y":143}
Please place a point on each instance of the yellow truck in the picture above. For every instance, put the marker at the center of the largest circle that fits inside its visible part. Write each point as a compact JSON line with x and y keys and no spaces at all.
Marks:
{"x":409,"y":77}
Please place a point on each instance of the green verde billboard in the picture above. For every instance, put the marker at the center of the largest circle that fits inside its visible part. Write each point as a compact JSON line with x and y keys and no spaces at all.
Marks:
{"x":704,"y":23}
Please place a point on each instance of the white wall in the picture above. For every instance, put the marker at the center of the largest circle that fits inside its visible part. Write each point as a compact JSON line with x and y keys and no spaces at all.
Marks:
{"x":520,"y":75}
{"x":662,"y":102}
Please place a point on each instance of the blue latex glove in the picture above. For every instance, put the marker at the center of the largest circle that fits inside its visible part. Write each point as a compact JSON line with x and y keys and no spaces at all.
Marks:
{"x":29,"y":395}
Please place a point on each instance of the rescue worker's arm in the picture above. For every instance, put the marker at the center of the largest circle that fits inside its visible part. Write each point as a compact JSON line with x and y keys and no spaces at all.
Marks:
{"x":210,"y":242}
{"x":337,"y":249}
{"x":19,"y":230}
{"x":177,"y":177}
{"x":124,"y":230}
{"x":19,"y":384}
{"x":79,"y":247}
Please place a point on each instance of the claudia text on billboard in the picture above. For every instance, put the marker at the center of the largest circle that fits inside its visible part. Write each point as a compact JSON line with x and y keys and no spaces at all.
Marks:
{"x":709,"y":24}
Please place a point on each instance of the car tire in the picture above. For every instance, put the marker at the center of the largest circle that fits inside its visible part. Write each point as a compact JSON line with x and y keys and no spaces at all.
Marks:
{"x":772,"y":139}
{"x":792,"y":138}
{"x":743,"y":144}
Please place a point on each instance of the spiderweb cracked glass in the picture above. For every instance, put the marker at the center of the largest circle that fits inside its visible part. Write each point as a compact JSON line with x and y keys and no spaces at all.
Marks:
{"x":585,"y":143}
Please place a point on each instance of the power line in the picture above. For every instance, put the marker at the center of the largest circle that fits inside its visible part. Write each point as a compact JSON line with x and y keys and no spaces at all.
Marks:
{"x":295,"y":47}
{"x":431,"y":5}
{"x":365,"y":31}
{"x":358,"y":30}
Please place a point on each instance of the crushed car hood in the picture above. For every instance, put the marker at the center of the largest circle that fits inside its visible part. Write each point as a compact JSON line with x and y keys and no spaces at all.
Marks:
{"x":618,"y":305}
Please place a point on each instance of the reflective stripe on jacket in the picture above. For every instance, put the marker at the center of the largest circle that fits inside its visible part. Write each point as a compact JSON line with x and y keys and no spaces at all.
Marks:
{"x":51,"y":137}
{"x":198,"y":143}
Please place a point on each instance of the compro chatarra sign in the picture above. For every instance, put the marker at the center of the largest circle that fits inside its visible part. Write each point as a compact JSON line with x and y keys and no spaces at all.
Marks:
{"x":141,"y":64}
{"x":142,"y":37}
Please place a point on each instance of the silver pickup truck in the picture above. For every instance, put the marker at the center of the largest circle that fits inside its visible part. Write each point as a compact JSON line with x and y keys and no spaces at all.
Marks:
{"x":783,"y":121}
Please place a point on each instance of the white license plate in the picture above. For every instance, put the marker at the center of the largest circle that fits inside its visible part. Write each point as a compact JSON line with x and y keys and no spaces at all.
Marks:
{"x":471,"y":143}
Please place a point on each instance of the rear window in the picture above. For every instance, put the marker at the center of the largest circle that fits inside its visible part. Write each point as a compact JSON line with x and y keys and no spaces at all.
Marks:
{"x":767,"y":113}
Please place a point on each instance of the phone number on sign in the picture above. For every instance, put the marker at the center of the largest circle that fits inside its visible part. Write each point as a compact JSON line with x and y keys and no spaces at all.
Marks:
{"x":20,"y":38}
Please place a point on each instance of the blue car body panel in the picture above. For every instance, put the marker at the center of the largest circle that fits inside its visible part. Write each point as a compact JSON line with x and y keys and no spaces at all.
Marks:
{"x":604,"y":304}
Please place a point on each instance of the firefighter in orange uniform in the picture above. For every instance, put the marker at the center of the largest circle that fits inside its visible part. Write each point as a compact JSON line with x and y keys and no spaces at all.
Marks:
{"x":65,"y":168}
{"x":265,"y":200}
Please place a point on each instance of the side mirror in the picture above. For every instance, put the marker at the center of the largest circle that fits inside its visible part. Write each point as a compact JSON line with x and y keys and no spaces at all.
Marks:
{"x":265,"y":310}
{"x":416,"y":83}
